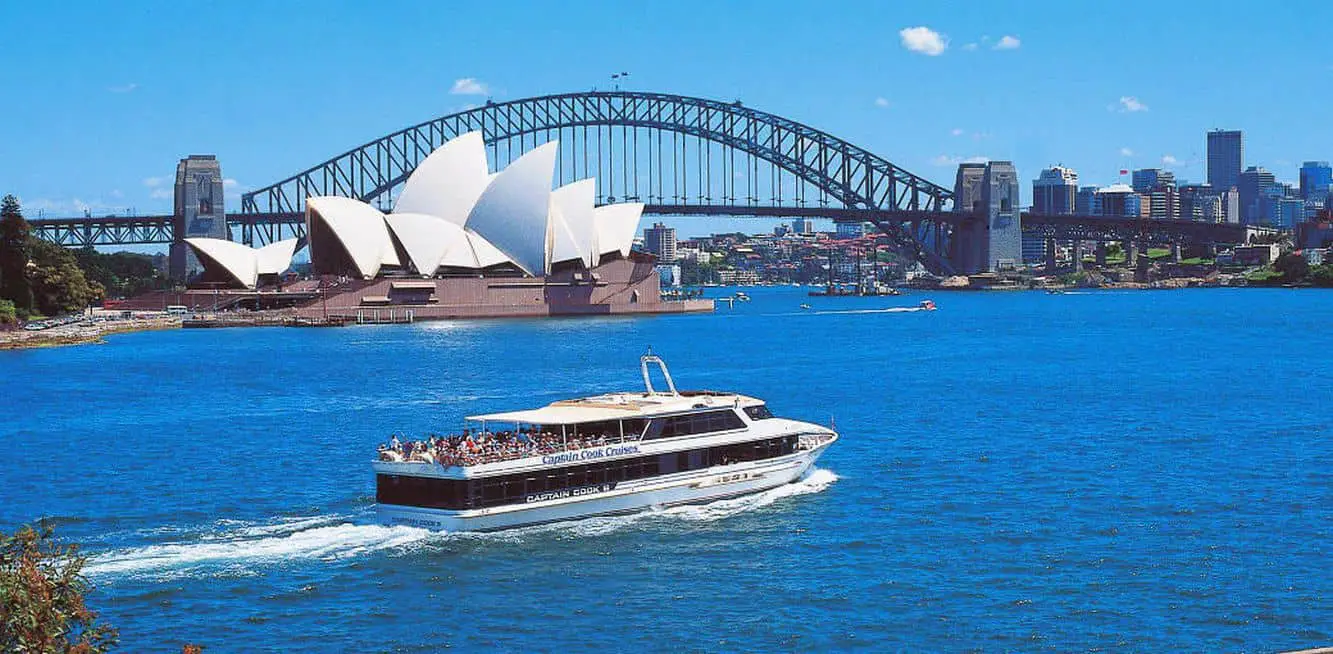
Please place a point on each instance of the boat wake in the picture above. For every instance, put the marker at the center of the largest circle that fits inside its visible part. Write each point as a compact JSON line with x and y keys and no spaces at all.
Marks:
{"x":236,"y":548}
{"x":853,"y":311}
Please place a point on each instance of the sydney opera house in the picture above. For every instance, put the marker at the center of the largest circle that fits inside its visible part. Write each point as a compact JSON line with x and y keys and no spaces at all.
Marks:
{"x":460,"y":241}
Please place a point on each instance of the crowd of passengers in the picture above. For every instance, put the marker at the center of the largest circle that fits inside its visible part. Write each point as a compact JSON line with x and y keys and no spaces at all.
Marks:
{"x":474,"y":448}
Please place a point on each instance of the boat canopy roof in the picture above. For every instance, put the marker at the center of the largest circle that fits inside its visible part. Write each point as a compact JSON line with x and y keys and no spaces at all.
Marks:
{"x":619,"y":406}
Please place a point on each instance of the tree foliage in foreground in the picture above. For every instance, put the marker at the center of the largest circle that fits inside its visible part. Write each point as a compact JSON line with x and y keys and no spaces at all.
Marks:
{"x":42,"y":590}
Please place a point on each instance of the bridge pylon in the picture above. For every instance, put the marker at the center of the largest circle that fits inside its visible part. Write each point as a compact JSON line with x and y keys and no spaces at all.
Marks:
{"x":199,"y":211}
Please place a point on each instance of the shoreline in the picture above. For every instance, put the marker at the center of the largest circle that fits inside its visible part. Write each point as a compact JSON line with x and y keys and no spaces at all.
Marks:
{"x":81,"y":334}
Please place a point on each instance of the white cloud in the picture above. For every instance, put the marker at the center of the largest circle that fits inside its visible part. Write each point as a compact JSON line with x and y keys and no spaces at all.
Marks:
{"x":947,"y":160}
{"x":1126,"y":152}
{"x":1169,"y":160}
{"x":881,"y":102}
{"x":468,"y":86}
{"x":161,"y":194}
{"x":117,"y":194}
{"x":124,"y":88}
{"x":957,"y":131}
{"x":969,"y":46}
{"x":1131,"y":104}
{"x":1007,"y":42}
{"x":229,"y":183}
{"x":153,"y":182}
{"x":923,"y":40}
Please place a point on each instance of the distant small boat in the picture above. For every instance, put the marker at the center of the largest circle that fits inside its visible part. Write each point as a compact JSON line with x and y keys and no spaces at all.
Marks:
{"x":927,"y":305}
{"x":805,"y":306}
{"x":1055,"y":291}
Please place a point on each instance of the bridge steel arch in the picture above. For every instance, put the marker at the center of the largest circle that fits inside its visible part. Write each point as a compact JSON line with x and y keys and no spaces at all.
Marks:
{"x":826,"y":176}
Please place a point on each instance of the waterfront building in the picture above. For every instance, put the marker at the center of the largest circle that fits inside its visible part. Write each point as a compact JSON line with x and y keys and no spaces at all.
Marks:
{"x":803,"y":226}
{"x":199,"y":211}
{"x":1226,"y":154}
{"x":1316,"y":180}
{"x":1230,"y":205}
{"x":465,"y":234}
{"x":669,"y":274}
{"x":781,"y":229}
{"x":660,"y":241}
{"x":1034,"y":248}
{"x":844,"y":230}
{"x":1054,"y":192}
{"x":1252,"y":185}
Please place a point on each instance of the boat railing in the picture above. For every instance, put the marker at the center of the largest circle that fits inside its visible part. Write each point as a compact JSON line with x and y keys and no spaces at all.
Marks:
{"x":647,"y":378}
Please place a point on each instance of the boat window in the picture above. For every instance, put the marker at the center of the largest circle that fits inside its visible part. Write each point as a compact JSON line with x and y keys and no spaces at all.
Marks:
{"x":693,"y":423}
{"x":760,"y":412}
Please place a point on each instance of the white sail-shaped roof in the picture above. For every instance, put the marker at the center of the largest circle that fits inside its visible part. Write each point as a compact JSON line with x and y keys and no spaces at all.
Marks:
{"x":426,"y":239}
{"x":616,"y":225}
{"x":575,"y":233}
{"x":448,"y":182}
{"x":512,"y":212}
{"x":233,"y":259}
{"x":359,"y":228}
{"x":276,"y":258}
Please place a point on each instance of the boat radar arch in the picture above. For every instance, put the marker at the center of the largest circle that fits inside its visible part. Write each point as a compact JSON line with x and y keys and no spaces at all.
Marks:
{"x":648,"y":380}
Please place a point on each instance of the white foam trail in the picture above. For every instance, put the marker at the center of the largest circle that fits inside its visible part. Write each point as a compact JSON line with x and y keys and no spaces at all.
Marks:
{"x":815,"y":481}
{"x":327,"y":542}
{"x":852,"y":311}
{"x":331,"y":537}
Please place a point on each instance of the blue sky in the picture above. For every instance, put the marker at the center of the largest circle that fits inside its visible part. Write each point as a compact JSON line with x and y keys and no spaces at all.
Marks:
{"x":101,"y":99}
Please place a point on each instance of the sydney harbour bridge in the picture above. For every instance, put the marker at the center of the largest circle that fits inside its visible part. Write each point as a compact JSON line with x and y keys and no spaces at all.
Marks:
{"x":678,"y":155}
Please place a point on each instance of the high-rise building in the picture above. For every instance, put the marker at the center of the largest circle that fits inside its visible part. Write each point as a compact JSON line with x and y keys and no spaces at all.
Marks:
{"x":660,"y":241}
{"x":1199,"y":202}
{"x":1054,"y":192}
{"x":803,"y":226}
{"x":1316,"y":179}
{"x":199,"y":211}
{"x":1147,"y":180}
{"x":1226,"y":153}
{"x":1085,"y":202}
{"x":1159,"y":186}
{"x":1252,"y":185}
{"x":1117,"y":201}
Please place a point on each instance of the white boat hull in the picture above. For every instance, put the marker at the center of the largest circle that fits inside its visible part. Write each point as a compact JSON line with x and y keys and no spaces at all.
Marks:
{"x":693,"y":487}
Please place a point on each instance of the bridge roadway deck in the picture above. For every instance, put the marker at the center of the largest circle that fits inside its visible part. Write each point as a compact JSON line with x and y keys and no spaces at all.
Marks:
{"x":269,"y":227}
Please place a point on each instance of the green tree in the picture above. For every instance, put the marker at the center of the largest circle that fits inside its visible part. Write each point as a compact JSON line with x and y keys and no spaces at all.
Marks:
{"x":8,"y":316}
{"x":121,"y":274}
{"x":14,"y":239}
{"x":42,"y":591}
{"x":1293,"y":267}
{"x":1322,"y":275}
{"x":58,"y":284}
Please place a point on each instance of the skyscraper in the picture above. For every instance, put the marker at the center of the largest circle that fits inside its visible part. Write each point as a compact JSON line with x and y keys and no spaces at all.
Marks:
{"x":1316,"y":179}
{"x":1054,"y":192}
{"x":1226,"y":152}
{"x":1147,"y":180}
{"x":1252,"y":184}
{"x":660,"y":240}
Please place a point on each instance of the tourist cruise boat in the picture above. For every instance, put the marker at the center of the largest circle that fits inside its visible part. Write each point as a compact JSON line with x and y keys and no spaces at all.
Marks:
{"x":608,"y":454}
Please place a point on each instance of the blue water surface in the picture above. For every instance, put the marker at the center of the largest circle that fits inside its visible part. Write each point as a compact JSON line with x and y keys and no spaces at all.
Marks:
{"x":1019,"y":471}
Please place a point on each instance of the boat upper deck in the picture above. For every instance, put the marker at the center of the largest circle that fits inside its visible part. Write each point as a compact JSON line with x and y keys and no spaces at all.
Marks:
{"x":620,"y":406}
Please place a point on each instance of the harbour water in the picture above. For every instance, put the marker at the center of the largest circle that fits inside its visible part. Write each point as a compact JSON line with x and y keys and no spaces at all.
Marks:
{"x":1019,"y":471}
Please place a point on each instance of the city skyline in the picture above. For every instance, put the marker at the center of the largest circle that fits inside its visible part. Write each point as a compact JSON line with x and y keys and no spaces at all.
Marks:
{"x":1082,"y":102}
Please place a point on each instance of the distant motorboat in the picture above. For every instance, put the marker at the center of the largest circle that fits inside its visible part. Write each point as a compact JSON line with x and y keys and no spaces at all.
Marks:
{"x":927,"y":305}
{"x":805,"y":306}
